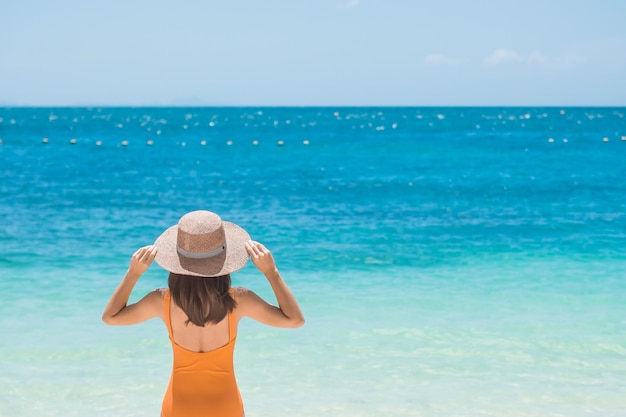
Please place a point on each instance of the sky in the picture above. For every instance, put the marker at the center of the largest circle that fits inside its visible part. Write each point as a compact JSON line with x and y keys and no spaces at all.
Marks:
{"x":313,"y":53}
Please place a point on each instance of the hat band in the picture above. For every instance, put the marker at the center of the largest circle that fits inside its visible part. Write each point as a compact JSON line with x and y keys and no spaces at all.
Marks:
{"x":200,"y":255}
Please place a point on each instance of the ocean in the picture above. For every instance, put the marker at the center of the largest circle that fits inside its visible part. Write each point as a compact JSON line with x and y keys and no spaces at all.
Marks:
{"x":449,"y":261}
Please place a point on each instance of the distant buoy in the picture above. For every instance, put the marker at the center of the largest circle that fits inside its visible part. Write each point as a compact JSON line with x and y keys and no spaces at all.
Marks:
{"x":306,"y":142}
{"x":551,"y":140}
{"x":98,"y":142}
{"x":230,"y":142}
{"x":124,"y":143}
{"x":280,"y":143}
{"x":203,"y":142}
{"x":73,"y":141}
{"x":624,"y":138}
{"x":605,"y":139}
{"x":255,"y":142}
{"x":565,"y":140}
{"x":44,"y":140}
{"x":149,"y":143}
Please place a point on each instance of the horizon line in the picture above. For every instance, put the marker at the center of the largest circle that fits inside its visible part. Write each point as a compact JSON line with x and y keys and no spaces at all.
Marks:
{"x":10,"y":105}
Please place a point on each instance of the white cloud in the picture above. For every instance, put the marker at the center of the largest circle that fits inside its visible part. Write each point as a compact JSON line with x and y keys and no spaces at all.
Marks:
{"x":440,"y":59}
{"x":503,"y":55}
{"x":350,"y":4}
{"x":555,"y":62}
{"x":535,"y":59}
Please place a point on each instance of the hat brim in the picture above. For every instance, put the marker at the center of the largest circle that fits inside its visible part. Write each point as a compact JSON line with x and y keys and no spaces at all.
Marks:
{"x":232,"y":259}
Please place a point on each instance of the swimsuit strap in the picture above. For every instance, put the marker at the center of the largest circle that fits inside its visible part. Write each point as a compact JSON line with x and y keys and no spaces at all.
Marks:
{"x":166,"y":305}
{"x":232,"y":326}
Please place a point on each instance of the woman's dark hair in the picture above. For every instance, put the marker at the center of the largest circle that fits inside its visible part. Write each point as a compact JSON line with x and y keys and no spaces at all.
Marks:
{"x":204,"y":300}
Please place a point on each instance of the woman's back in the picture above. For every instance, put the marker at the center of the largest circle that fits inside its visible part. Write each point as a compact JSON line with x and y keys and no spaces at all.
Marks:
{"x":196,"y":338}
{"x":203,"y":378}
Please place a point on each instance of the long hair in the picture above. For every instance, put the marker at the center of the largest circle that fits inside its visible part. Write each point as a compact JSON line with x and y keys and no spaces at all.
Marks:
{"x":204,"y":300}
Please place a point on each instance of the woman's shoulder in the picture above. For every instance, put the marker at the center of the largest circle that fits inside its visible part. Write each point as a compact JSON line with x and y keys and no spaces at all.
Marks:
{"x":243,"y":296}
{"x":239,"y":292}
{"x":158,"y":294}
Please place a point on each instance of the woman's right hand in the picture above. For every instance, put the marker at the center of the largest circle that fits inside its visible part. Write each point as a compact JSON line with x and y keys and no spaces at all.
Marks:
{"x":261,"y":257}
{"x":117,"y":311}
{"x":141,"y":260}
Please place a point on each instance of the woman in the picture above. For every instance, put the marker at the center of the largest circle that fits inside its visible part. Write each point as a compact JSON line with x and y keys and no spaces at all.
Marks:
{"x":201,"y":310}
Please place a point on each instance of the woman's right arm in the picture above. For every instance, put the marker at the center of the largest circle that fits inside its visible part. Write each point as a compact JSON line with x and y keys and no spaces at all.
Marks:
{"x":288,"y":313}
{"x":117,"y":311}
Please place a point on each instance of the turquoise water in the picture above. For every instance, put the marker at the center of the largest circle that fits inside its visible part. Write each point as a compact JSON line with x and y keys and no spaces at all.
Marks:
{"x":449,"y":261}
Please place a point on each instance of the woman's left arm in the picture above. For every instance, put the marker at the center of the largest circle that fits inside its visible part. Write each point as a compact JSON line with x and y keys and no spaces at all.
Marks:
{"x":117,"y":312}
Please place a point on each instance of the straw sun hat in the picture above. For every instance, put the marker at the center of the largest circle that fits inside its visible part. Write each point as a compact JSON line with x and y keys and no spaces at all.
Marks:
{"x":203,"y":245}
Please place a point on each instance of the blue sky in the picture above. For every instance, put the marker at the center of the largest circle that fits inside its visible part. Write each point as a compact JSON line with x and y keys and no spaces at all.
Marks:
{"x":322,"y":52}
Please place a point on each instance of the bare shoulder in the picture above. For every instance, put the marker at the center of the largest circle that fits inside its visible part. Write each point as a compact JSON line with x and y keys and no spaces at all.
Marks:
{"x":155,"y":298}
{"x":160,"y":292}
{"x":155,"y":301}
{"x":245,"y":299}
{"x":240,"y":292}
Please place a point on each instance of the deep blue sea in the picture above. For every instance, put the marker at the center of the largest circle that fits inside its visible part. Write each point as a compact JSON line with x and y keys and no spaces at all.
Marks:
{"x":449,"y":261}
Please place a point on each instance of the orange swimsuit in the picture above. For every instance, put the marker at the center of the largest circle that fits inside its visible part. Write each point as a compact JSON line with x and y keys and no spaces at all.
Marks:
{"x":202,"y":383}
